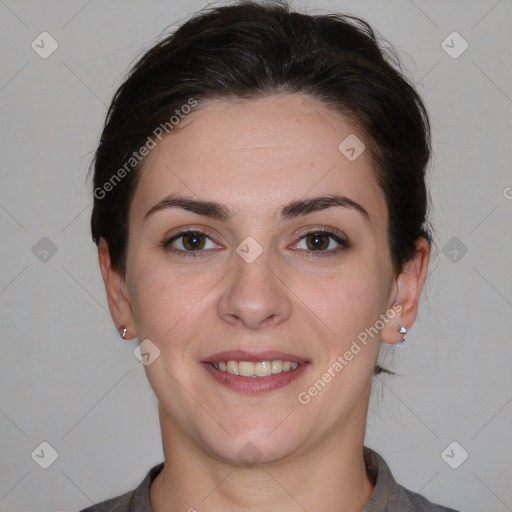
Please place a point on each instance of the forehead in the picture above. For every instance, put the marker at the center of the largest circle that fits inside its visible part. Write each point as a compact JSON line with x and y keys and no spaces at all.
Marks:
{"x":256,"y":155}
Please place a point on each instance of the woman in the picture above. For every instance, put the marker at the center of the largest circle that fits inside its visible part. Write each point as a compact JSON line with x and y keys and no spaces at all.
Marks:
{"x":260,"y":213}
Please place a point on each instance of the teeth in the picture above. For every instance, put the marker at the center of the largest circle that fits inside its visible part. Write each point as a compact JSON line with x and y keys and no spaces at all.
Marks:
{"x":232,"y":367}
{"x":250,"y":369}
{"x":245,"y":368}
{"x":277,"y":366}
{"x":262,"y":369}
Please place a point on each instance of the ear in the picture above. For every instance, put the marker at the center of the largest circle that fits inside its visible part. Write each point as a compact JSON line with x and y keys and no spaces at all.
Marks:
{"x":117,"y":293}
{"x":407,"y":291}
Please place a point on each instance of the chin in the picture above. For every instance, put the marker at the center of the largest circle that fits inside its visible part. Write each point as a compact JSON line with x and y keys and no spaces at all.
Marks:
{"x":250,"y":452}
{"x":250,"y":445}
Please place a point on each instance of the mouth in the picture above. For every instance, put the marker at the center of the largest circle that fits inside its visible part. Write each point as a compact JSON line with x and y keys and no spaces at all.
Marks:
{"x":255,"y":372}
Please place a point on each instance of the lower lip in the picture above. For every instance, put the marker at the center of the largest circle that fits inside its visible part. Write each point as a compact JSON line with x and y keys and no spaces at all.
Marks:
{"x":255,"y":384}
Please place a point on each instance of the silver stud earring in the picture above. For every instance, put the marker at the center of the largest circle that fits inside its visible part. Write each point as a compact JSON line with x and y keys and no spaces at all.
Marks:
{"x":123,"y":334}
{"x":402,"y":330}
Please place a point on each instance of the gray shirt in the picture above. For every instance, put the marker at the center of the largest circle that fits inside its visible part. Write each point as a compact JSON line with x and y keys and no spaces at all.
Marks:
{"x":387,"y":495}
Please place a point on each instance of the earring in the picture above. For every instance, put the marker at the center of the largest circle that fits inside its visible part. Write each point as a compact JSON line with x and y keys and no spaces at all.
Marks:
{"x":123,"y":334}
{"x":402,"y":330}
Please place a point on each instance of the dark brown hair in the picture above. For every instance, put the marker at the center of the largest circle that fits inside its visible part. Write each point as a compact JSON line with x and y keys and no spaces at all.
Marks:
{"x":250,"y":50}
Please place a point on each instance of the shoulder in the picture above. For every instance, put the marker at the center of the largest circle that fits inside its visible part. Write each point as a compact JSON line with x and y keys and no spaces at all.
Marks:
{"x":132,"y":501}
{"x":388,"y":495}
{"x":118,"y":504}
{"x":417,"y":503}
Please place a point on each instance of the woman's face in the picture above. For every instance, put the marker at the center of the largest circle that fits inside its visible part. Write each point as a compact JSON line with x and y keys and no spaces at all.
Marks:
{"x":269,"y":275}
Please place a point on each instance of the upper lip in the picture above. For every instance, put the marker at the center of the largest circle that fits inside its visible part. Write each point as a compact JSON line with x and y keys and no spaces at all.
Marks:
{"x":254,"y":357}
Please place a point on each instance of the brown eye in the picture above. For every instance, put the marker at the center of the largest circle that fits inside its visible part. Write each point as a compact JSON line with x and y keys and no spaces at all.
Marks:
{"x":190,"y":243}
{"x":193,"y":241}
{"x":322,"y":243}
{"x":317,"y":241}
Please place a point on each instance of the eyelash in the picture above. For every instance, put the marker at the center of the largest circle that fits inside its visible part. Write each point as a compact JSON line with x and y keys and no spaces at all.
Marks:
{"x":335,"y":235}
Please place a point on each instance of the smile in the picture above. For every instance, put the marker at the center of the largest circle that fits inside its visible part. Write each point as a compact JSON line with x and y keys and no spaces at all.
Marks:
{"x":254,"y":373}
{"x":250,"y":369}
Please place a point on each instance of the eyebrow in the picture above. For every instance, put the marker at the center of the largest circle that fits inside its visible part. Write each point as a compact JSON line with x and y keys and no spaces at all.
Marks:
{"x":292,"y":210}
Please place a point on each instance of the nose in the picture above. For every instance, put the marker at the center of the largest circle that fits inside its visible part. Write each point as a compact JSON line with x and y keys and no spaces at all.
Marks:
{"x":255,"y":296}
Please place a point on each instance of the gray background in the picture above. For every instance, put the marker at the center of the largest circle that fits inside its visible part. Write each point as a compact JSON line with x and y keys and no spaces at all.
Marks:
{"x":68,"y":379}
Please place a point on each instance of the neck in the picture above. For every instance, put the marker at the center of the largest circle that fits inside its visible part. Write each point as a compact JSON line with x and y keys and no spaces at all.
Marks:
{"x":331,"y":476}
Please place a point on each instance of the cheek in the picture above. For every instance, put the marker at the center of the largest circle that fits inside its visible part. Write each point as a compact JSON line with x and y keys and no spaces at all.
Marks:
{"x":166,"y":303}
{"x":348,"y":301}
{"x":155,"y":303}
